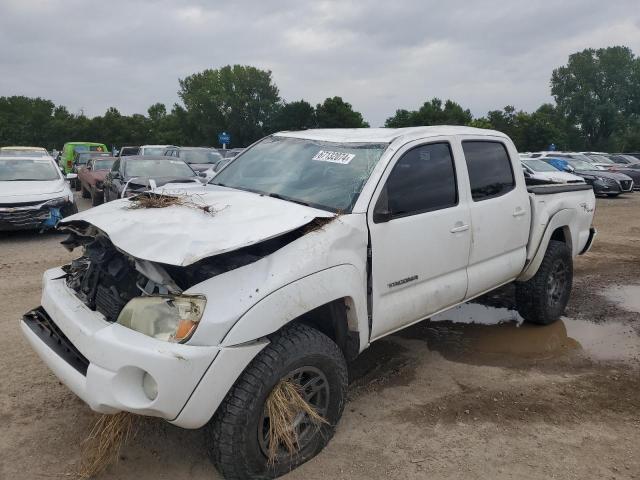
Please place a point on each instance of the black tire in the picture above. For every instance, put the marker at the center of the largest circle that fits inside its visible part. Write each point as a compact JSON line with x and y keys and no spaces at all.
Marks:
{"x":85,"y":193}
{"x":232,"y":433}
{"x":543,"y":298}
{"x":96,"y":199}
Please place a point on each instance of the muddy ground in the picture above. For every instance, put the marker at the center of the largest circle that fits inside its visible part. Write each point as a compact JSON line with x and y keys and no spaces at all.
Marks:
{"x":439,"y":400}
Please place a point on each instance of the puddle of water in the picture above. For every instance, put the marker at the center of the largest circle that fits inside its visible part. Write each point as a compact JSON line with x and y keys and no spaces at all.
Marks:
{"x":491,"y":341}
{"x":626,"y":296}
{"x":477,"y":313}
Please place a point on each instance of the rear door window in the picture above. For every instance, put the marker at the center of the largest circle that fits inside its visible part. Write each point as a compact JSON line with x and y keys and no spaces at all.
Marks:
{"x":489,"y":166}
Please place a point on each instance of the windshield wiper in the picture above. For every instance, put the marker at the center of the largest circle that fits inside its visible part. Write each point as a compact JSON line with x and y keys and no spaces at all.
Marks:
{"x":26,"y":180}
{"x":288,"y":199}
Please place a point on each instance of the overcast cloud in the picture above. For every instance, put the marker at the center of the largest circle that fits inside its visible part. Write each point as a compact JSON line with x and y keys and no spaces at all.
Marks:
{"x":377,"y":55}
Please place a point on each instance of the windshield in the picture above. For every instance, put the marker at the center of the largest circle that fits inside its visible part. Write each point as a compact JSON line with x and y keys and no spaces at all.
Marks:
{"x":24,"y":169}
{"x":157,"y":168}
{"x":200,"y":156}
{"x":152,"y":151}
{"x":23,"y":153}
{"x":581,"y":164}
{"x":325,"y":175}
{"x":600,"y":159}
{"x":83,"y":158}
{"x":103,"y":164}
{"x":539,"y":166}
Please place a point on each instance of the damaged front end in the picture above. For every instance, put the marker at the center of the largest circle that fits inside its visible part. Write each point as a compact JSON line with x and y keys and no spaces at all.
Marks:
{"x":149,"y":296}
{"x":34,"y":215}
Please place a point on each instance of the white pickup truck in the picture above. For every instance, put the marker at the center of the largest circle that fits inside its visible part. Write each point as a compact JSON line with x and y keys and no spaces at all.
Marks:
{"x":302,"y":251}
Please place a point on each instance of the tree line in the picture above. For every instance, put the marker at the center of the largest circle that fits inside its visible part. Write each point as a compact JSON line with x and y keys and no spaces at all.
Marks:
{"x":597,"y":107}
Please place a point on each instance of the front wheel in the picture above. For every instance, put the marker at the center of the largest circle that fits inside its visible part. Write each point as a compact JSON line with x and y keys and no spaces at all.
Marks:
{"x":240,"y":433}
{"x":543,"y":298}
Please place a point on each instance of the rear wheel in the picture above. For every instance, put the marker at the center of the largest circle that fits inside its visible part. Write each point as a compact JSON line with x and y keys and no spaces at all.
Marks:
{"x":238,"y":434}
{"x":543,"y":298}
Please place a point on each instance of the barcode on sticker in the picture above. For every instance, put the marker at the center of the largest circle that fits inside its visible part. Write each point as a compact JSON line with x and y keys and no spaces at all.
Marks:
{"x":333,"y":157}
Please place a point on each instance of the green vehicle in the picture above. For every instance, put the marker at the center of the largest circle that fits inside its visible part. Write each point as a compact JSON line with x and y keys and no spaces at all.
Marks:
{"x":70,"y":148}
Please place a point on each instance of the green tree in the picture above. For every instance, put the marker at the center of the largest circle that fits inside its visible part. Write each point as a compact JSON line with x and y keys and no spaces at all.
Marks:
{"x":241,"y":100}
{"x":433,"y":112}
{"x":298,"y":115}
{"x":599,"y":91}
{"x":336,"y":113}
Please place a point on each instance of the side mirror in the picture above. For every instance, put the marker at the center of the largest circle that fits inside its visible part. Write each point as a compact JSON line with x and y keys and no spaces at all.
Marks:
{"x":71,"y":176}
{"x":569,"y":168}
{"x":526,"y":174}
{"x":382,"y":216}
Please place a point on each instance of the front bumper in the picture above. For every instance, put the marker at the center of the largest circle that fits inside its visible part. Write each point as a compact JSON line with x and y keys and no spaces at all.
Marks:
{"x":104,"y":363}
{"x":31,"y":217}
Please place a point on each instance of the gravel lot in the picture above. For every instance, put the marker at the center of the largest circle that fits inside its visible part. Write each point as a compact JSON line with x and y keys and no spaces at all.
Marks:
{"x":440,"y":400}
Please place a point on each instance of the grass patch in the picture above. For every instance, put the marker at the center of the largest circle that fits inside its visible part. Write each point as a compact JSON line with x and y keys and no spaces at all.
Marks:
{"x":102,"y":446}
{"x":283,"y":406}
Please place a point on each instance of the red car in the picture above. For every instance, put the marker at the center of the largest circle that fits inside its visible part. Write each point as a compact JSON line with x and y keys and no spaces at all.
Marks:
{"x":91,"y":176}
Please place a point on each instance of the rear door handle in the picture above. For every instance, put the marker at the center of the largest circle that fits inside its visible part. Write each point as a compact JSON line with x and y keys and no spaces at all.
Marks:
{"x":459,"y":228}
{"x":519,"y":212}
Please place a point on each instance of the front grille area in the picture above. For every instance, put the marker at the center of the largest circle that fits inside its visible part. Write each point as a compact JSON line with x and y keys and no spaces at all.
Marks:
{"x":29,"y":218}
{"x":45,"y":328}
{"x":103,"y":278}
{"x":625,"y":185}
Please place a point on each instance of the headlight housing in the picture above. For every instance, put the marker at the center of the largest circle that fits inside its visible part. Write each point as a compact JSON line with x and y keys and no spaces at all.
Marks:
{"x":171,"y":318}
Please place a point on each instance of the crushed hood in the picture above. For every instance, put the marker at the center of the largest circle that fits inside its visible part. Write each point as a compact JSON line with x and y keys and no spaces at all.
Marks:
{"x":183,"y":234}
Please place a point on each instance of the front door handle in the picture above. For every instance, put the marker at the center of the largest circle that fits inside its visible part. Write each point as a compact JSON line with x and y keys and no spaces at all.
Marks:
{"x":519,"y":212}
{"x":460,"y":227}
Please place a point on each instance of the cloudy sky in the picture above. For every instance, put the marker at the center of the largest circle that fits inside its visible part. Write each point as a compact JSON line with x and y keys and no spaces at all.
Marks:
{"x":377,"y":55}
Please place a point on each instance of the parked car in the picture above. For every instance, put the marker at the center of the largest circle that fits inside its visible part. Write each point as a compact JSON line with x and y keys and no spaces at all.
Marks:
{"x":91,"y":177}
{"x":604,"y":182}
{"x":300,"y":253}
{"x":538,"y":169}
{"x":633,"y":154}
{"x":126,"y":151}
{"x":136,"y":173}
{"x":70,"y":148}
{"x":599,"y":159}
{"x":200,"y":159}
{"x":153,"y":149}
{"x":34,"y":194}
{"x":24,"y":152}
{"x":80,"y":159}
{"x":631,"y":170}
{"x":623,"y":159}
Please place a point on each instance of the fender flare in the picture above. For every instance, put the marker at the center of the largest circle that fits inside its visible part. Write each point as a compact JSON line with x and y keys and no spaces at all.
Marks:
{"x":561,"y":219}
{"x":301,"y":296}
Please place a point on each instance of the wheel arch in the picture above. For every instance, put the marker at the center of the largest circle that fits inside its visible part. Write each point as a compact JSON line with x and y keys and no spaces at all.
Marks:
{"x":558,"y":228}
{"x":332,"y":301}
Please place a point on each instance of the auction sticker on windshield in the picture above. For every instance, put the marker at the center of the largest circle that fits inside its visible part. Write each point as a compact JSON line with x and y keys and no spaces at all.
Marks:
{"x":333,"y":157}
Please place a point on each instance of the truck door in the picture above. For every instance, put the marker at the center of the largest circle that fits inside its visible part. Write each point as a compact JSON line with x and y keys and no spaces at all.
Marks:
{"x":419,"y":223}
{"x":500,"y":215}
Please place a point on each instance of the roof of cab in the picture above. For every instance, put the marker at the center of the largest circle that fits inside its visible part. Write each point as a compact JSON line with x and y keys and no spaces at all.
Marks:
{"x":384,"y":135}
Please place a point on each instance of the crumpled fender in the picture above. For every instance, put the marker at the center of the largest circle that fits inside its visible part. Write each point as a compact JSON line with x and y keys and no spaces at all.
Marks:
{"x":299,"y":297}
